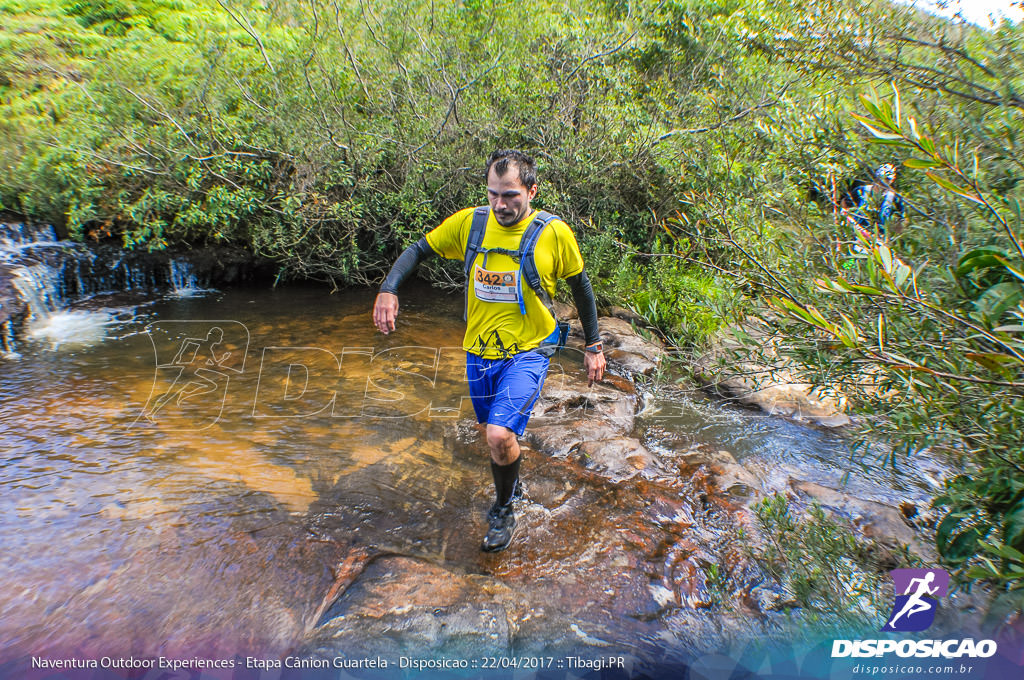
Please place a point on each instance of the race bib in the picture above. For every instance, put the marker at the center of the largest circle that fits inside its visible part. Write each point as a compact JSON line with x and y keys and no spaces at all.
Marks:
{"x":496,"y":286}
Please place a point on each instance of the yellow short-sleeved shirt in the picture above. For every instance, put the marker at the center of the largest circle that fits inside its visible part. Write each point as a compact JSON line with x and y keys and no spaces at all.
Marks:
{"x":495,"y":327}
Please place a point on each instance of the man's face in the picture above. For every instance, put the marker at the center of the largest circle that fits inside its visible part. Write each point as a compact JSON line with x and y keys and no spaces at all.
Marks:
{"x":508,"y":196}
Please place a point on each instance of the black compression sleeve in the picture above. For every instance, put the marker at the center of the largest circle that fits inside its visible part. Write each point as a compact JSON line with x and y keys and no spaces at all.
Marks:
{"x":586,"y":305}
{"x":405,"y":264}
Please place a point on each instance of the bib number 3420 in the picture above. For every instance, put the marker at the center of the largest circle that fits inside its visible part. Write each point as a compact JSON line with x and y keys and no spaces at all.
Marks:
{"x":491,"y":286}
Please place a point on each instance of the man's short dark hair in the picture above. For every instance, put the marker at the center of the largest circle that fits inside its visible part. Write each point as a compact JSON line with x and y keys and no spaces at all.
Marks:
{"x":502,"y":158}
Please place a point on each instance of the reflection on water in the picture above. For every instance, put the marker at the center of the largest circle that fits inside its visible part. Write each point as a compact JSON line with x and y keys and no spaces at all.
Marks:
{"x":201,"y":486}
{"x":156,"y":492}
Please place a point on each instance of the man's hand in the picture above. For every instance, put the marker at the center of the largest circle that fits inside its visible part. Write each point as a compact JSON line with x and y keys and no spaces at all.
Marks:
{"x":385,"y":310}
{"x":594,"y":363}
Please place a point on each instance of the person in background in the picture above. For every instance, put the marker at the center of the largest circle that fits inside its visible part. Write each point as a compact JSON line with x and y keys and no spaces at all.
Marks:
{"x":879,"y":206}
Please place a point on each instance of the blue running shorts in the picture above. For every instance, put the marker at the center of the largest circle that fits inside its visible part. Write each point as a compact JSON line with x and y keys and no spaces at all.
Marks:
{"x":504,"y":390}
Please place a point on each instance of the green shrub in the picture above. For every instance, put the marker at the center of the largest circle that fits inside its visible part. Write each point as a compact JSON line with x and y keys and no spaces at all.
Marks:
{"x":833,"y":578}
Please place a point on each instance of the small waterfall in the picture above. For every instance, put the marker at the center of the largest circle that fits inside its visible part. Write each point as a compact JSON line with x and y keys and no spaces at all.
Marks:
{"x":39,"y":286}
{"x":46,"y":288}
{"x":40,"y":276}
{"x":184,"y":282}
{"x":68,"y":293}
{"x":16,"y":236}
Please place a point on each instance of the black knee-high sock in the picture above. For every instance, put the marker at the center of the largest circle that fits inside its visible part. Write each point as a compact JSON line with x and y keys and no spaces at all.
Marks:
{"x":505,"y":478}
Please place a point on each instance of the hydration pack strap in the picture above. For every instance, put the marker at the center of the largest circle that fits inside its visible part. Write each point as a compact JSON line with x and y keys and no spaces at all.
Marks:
{"x":528,"y":270}
{"x":528,"y":265}
{"x":473,"y":247}
{"x":524,"y":255}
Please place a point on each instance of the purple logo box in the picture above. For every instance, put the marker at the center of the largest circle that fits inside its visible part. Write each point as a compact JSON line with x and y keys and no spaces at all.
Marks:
{"x":917,"y":598}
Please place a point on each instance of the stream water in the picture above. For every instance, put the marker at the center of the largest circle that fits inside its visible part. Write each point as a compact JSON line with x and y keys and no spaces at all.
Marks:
{"x":189,"y":476}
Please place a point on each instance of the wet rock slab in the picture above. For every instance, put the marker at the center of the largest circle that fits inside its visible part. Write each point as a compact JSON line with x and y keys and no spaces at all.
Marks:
{"x":617,"y":459}
{"x":626,"y":352}
{"x":567,"y":397}
{"x":590,"y":425}
{"x":619,"y":549}
{"x":607,"y":557}
{"x":403,"y":605}
{"x":595,"y":569}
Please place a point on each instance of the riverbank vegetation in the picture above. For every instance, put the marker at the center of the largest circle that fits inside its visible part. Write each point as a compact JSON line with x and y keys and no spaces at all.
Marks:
{"x":835,"y":580}
{"x":702,"y":149}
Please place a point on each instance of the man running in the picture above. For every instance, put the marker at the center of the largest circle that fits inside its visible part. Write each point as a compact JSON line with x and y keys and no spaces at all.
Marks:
{"x":510,"y":328}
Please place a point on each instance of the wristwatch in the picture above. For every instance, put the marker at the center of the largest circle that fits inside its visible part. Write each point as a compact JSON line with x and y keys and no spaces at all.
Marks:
{"x":595,"y":348}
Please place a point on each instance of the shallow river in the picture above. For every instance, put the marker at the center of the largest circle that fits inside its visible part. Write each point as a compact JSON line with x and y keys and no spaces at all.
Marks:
{"x":191,"y":476}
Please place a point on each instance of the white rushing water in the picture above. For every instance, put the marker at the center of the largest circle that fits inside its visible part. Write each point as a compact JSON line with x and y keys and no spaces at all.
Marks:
{"x":73,"y":328}
{"x":60,"y":282}
{"x":184,"y":282}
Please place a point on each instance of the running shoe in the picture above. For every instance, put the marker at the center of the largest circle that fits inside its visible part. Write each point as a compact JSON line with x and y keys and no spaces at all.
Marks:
{"x":502,"y":527}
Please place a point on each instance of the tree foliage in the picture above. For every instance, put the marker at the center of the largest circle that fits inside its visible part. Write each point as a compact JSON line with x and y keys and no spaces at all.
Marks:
{"x":328,"y":134}
{"x":922,"y":329}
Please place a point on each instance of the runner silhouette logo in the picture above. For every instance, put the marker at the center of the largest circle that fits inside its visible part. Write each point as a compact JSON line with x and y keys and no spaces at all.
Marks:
{"x":917,"y":598}
{"x":195,"y":361}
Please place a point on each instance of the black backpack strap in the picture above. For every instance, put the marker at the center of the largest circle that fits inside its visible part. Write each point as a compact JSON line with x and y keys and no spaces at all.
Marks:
{"x":476,"y":238}
{"x":473,"y":247}
{"x":529,"y":273}
{"x":528,"y":264}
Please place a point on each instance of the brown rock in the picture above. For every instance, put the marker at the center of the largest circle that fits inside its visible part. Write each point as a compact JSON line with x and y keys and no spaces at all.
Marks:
{"x":627,"y":315}
{"x":558,"y":440}
{"x":564,"y":311}
{"x":774,"y":389}
{"x":880,"y":522}
{"x":736,"y":480}
{"x":404,"y":605}
{"x":701,"y":455}
{"x":625,"y":351}
{"x":616,"y":459}
{"x":567,"y":398}
{"x":12,"y":307}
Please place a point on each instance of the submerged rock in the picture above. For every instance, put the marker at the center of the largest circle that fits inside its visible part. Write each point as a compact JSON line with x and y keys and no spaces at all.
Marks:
{"x":617,"y":459}
{"x":402,"y":605}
